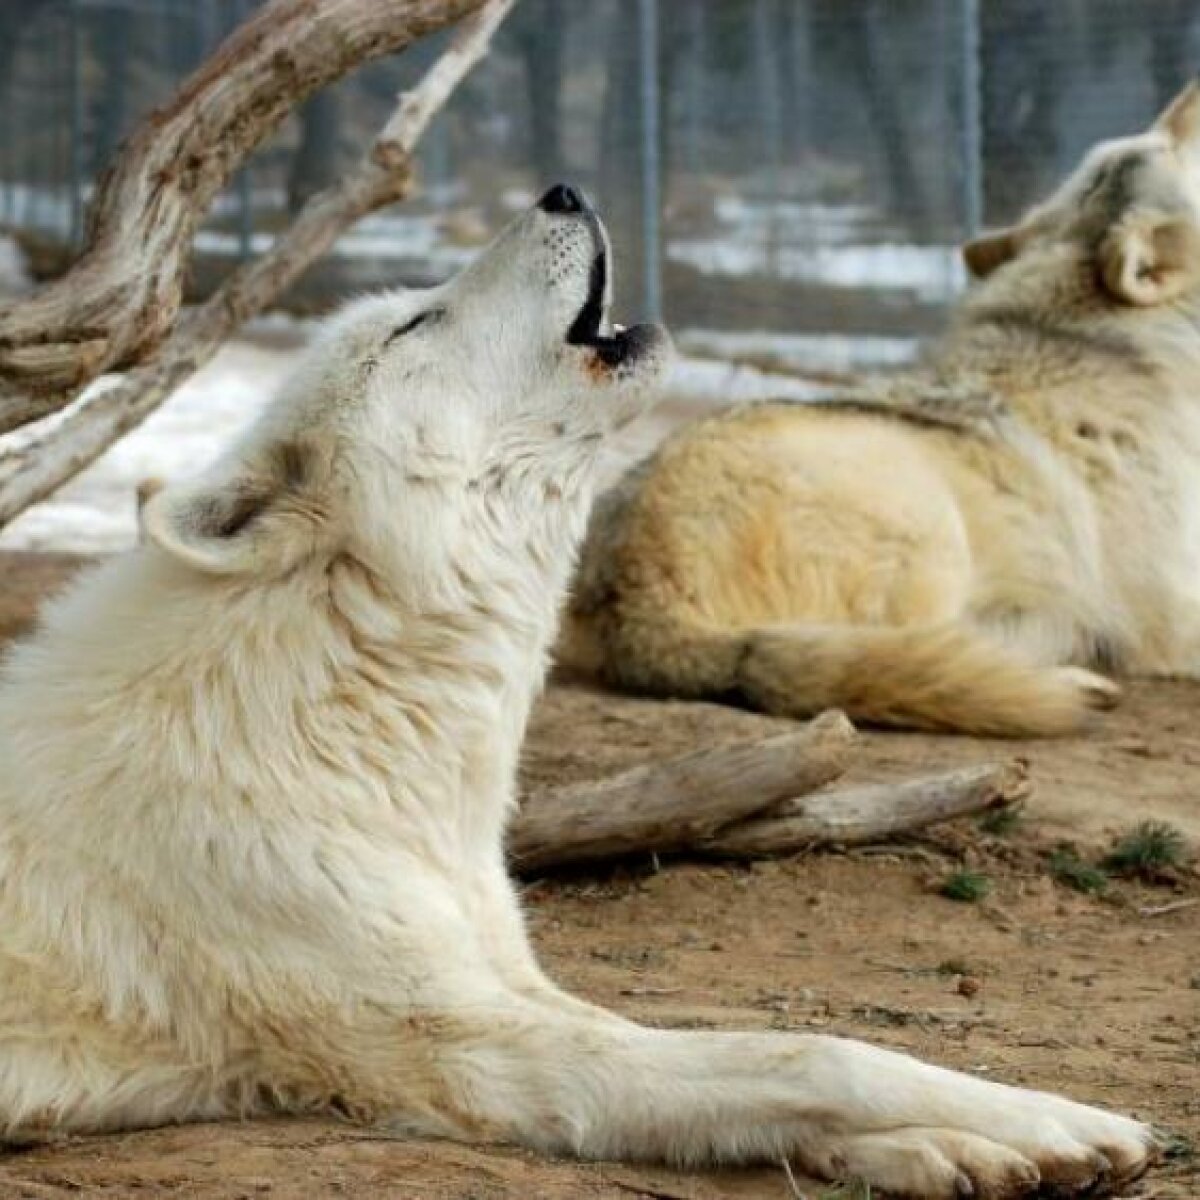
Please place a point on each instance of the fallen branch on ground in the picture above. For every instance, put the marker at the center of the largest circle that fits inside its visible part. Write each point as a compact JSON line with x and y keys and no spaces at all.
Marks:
{"x":677,"y":803}
{"x":852,"y":816}
{"x":60,"y":356}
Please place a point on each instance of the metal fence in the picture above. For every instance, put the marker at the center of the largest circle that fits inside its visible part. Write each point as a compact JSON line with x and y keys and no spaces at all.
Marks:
{"x":782,"y":177}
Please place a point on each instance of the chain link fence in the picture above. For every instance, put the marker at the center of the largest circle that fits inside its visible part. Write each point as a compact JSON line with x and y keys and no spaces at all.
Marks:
{"x":783,"y":178}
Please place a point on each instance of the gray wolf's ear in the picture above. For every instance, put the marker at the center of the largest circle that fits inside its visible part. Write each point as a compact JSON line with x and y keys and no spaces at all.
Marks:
{"x":258,"y":515}
{"x":1150,"y":258}
{"x":1180,"y":121}
{"x":984,"y":254}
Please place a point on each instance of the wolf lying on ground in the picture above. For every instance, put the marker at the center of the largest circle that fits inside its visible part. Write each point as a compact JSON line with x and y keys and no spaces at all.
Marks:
{"x":955,"y":546}
{"x":256,"y":775}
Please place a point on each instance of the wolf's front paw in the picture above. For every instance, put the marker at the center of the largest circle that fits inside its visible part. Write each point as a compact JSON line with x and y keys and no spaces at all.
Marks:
{"x":1063,"y":1137}
{"x":1095,"y":1154}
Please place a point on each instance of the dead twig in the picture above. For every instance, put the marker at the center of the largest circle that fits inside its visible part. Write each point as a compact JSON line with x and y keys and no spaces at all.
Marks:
{"x":1162,"y":910}
{"x":851,"y":816}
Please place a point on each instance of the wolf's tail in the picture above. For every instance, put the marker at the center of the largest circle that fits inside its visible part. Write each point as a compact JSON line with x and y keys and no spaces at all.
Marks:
{"x":946,"y":677}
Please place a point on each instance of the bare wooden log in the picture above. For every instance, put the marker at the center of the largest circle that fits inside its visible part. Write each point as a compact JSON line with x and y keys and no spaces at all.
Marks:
{"x":672,"y":804}
{"x":122,"y":296}
{"x":852,"y":816}
{"x":32,"y":469}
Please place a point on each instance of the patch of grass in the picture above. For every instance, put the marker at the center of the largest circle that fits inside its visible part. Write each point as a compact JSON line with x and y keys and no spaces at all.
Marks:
{"x":1067,"y":868}
{"x":968,"y":887}
{"x":1148,"y":851}
{"x":954,"y":966}
{"x":1001,"y":822}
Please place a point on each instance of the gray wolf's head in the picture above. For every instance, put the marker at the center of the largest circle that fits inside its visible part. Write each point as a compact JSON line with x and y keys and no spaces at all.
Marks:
{"x":1132,"y":207}
{"x":419,"y":417}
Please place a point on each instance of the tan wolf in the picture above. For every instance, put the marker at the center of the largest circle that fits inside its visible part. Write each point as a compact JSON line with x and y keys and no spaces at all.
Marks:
{"x":960,"y":545}
{"x":254,"y":778}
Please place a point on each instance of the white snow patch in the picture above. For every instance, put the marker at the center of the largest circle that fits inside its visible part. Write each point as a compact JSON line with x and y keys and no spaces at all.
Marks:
{"x":934,"y":273}
{"x":383,"y":237}
{"x":14,"y":271}
{"x":803,"y":351}
{"x":709,"y":383}
{"x":96,"y":513}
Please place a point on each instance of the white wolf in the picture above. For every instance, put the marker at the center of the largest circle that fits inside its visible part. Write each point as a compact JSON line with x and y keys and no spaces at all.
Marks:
{"x":256,"y":776}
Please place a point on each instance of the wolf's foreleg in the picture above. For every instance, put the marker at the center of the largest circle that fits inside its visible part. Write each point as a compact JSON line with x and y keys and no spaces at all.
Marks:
{"x":837,"y":1108}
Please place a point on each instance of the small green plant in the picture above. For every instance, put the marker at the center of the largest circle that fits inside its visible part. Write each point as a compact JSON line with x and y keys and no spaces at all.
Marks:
{"x":1148,"y":851}
{"x":1000,"y":822}
{"x":968,"y":887}
{"x":1176,"y":1147}
{"x":1067,"y":868}
{"x":954,"y":966}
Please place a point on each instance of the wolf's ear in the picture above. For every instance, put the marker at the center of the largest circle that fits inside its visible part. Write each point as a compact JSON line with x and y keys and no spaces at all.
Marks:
{"x":984,"y":254}
{"x":1180,"y":121}
{"x":1150,"y":258}
{"x":259,"y":515}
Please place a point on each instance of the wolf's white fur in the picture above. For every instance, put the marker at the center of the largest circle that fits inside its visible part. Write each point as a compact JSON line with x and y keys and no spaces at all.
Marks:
{"x":256,"y":775}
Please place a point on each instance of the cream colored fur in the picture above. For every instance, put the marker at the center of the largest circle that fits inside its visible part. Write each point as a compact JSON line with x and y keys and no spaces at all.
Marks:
{"x":256,"y":776}
{"x":962,"y":545}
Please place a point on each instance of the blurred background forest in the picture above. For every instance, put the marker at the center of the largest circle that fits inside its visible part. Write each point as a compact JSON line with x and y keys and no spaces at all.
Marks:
{"x":786,"y":179}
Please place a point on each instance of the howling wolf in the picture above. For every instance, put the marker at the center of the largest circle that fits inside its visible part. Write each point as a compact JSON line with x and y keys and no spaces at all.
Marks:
{"x":256,"y":775}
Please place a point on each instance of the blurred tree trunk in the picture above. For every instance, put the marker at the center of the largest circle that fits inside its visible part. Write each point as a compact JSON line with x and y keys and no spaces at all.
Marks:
{"x":867,"y":43}
{"x":1022,"y":82}
{"x":620,"y":183}
{"x":317,"y":160}
{"x":1171,"y":59}
{"x":112,"y":34}
{"x":540,"y":31}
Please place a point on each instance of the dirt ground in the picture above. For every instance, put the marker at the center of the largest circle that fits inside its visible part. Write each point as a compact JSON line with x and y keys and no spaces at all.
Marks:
{"x":1095,"y":996}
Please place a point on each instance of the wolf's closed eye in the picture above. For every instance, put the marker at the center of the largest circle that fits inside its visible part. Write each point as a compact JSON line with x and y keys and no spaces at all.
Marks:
{"x":432,"y":314}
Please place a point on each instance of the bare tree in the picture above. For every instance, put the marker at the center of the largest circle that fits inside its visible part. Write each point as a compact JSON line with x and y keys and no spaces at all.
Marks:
{"x":117,"y":308}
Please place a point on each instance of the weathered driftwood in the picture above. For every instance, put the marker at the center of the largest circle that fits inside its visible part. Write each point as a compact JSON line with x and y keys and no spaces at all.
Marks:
{"x":32,"y":470}
{"x":122,"y":296}
{"x":674,"y":804}
{"x":854,"y":815}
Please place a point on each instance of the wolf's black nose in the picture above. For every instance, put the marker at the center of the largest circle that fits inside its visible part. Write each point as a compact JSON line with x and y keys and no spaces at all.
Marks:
{"x":561,"y":198}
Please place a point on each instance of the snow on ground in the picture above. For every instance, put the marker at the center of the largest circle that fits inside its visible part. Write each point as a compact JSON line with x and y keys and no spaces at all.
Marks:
{"x":834,"y":245}
{"x":933,"y":273}
{"x":802,"y":351}
{"x":96,"y":512}
{"x":14,"y":276}
{"x":381,"y":237}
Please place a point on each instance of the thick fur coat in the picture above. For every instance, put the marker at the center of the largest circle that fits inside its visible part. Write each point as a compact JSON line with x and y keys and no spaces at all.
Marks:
{"x":256,"y":775}
{"x":966,"y":544}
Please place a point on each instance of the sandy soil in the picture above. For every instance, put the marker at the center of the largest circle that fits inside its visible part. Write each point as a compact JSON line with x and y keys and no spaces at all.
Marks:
{"x":1099,"y":997}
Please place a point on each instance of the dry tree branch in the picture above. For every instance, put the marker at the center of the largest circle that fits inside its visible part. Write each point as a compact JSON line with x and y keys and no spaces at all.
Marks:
{"x":30,"y":472}
{"x":872,"y":812}
{"x":748,"y":800}
{"x":673,"y":804}
{"x":122,"y":296}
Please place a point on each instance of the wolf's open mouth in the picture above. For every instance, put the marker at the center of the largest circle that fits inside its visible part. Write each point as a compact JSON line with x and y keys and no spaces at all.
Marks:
{"x":591,"y":327}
